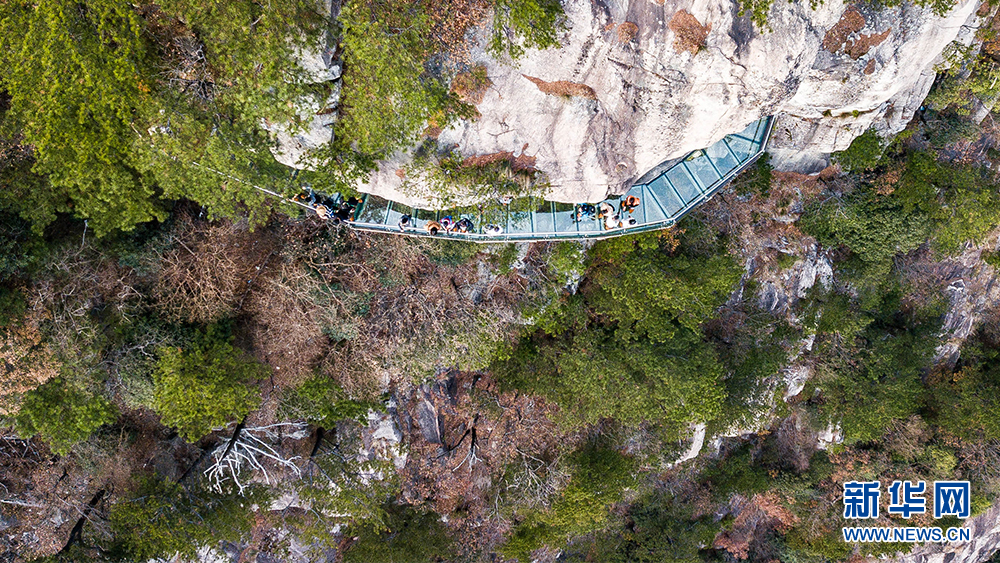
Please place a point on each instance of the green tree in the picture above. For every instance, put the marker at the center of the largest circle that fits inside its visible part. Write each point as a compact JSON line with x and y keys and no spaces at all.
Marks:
{"x":520,"y":24}
{"x":961,"y":200}
{"x":321,"y":401}
{"x":112,"y":136}
{"x":205,"y":386}
{"x":966,"y":402}
{"x":79,"y":77}
{"x":646,"y":288}
{"x":593,"y":375}
{"x":161,"y":519}
{"x":387,"y":95}
{"x":630,"y":346}
{"x":62,"y":414}
{"x":409,"y":536}
{"x":870,"y":362}
{"x":660,"y":527}
{"x":863,"y":154}
{"x":600,"y":477}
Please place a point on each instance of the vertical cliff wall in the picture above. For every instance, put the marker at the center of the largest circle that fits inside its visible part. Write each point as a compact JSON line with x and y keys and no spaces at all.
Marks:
{"x":637,"y":82}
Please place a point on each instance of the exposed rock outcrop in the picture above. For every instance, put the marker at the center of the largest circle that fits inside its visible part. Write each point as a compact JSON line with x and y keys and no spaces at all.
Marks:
{"x":985,"y":531}
{"x":318,"y":112}
{"x":645,"y":81}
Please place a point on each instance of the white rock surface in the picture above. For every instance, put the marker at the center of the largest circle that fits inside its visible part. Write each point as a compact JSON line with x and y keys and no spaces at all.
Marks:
{"x":829,"y":437}
{"x":317,"y":113}
{"x":294,"y":142}
{"x":985,"y":532}
{"x":653,"y":103}
{"x":697,"y":443}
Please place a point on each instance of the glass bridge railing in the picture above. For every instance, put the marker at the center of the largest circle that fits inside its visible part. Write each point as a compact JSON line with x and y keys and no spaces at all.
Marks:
{"x":661,"y":199}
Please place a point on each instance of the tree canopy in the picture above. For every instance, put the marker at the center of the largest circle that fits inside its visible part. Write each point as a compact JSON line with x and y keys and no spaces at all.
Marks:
{"x":205,"y":386}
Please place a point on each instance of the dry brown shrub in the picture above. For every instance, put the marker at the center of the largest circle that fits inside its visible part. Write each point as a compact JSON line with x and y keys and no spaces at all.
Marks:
{"x":414,"y":314}
{"x":906,"y":438}
{"x":451,"y":21}
{"x":755,"y":519}
{"x":186,"y":69}
{"x":857,"y":48}
{"x":210,"y":269}
{"x":836,"y":37}
{"x":563,"y":88}
{"x":470,"y":86}
{"x":287,"y":318}
{"x":74,"y":283}
{"x":991,"y":44}
{"x":691,"y":35}
{"x":432,"y":132}
{"x":627,"y":32}
{"x":26,"y":362}
{"x":478,"y":436}
{"x":885,"y":184}
{"x":519,"y":163}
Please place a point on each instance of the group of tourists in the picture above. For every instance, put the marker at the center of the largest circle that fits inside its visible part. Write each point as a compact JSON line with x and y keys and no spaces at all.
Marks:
{"x":446,"y":225}
{"x":327,"y":208}
{"x":610,"y":217}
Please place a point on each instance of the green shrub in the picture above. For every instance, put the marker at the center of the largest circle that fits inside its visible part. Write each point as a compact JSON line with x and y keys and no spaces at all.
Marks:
{"x":966,"y":402}
{"x":992,"y":258}
{"x":452,"y":180}
{"x":751,"y":355}
{"x":12,"y":305}
{"x":756,"y":179}
{"x":963,"y":81}
{"x":162,"y":520}
{"x":737,"y":473}
{"x":520,"y":24}
{"x":502,"y":257}
{"x":566,"y":259}
{"x":757,"y":10}
{"x":62,"y":62}
{"x":62,"y":414}
{"x":411,"y":535}
{"x":321,"y":401}
{"x":630,"y":347}
{"x":345,"y":490}
{"x":601,"y":475}
{"x":948,"y":128}
{"x":786,"y":261}
{"x":205,"y":386}
{"x":863,"y":154}
{"x":593,"y":375}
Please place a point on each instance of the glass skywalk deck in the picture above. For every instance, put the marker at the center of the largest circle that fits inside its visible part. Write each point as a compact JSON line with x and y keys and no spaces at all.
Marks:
{"x":665,"y":195}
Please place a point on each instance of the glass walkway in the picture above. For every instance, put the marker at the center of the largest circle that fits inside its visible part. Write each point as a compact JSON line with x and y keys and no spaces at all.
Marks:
{"x":657,"y":201}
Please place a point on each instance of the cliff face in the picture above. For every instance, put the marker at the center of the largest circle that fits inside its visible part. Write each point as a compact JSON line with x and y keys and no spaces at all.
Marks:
{"x":639,"y":82}
{"x":985,"y":531}
{"x":660,"y":91}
